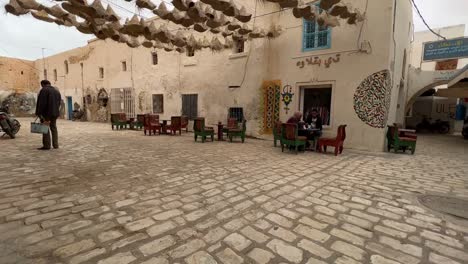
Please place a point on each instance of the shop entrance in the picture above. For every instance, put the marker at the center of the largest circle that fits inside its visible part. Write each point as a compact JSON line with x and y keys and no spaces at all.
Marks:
{"x":317,"y":98}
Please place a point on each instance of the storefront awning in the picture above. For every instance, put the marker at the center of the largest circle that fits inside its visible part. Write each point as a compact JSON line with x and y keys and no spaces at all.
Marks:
{"x":453,"y":92}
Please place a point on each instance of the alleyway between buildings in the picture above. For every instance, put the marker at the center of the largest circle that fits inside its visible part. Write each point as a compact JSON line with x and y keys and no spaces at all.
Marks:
{"x":120,"y":197}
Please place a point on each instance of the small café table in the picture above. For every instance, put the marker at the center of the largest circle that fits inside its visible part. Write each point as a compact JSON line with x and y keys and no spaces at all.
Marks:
{"x":309,"y":133}
{"x":220,"y":130}
{"x":164,"y":125}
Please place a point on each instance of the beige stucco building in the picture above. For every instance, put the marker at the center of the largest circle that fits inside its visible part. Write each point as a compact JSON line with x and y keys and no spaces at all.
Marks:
{"x":354,"y":74}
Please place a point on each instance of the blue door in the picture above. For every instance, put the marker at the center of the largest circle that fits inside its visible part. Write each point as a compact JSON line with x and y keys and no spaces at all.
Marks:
{"x":69,"y":107}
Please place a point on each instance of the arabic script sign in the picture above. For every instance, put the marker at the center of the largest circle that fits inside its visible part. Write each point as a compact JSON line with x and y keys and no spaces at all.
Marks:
{"x":446,"y":49}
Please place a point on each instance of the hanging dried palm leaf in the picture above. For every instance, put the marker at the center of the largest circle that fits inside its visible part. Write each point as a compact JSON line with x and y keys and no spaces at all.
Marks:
{"x":200,"y":27}
{"x":180,"y":4}
{"x":227,"y":32}
{"x":321,"y":18}
{"x":237,"y":37}
{"x":288,"y":3}
{"x":327,"y":4}
{"x":145,"y":4}
{"x":147,"y":43}
{"x":220,"y":5}
{"x":30,"y":4}
{"x":228,"y":43}
{"x":244,"y":30}
{"x":210,"y":13}
{"x":352,"y":19}
{"x":231,"y":10}
{"x":150,"y":31}
{"x":168,"y":47}
{"x":179,"y":39}
{"x":205,"y":43}
{"x":99,"y":32}
{"x":224,"y":20}
{"x":42,"y":15}
{"x":234,"y":26}
{"x":56,"y":11}
{"x":133,"y":42}
{"x":162,"y":11}
{"x":15,"y":9}
{"x":163,"y":35}
{"x":216,"y":44}
{"x":215,"y":30}
{"x":74,"y":9}
{"x":180,"y":49}
{"x":111,"y":15}
{"x":99,"y":10}
{"x":197,"y":13}
{"x":214,"y":22}
{"x":243,"y":16}
{"x":257,"y":33}
{"x":193,"y":43}
{"x":331,"y":21}
{"x":134,"y":27}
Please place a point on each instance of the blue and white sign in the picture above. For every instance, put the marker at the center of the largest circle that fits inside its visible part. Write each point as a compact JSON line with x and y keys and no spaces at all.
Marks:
{"x":446,"y":49}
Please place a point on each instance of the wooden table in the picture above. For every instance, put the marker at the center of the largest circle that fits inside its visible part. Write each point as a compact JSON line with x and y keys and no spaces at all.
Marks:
{"x":164,"y":125}
{"x":309,"y":133}
{"x":220,"y":130}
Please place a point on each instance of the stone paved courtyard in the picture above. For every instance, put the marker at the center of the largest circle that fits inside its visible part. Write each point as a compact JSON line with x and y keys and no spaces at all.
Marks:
{"x":119,"y":197}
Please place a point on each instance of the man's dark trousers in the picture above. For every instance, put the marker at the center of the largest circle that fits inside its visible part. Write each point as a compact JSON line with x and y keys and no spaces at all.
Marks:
{"x":46,"y":137}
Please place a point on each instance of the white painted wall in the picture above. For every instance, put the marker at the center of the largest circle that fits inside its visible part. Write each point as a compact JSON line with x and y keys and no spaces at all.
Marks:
{"x":209,"y":74}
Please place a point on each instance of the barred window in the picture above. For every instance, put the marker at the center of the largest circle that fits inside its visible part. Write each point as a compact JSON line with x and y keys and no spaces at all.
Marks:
{"x":236,"y":112}
{"x":314,"y":36}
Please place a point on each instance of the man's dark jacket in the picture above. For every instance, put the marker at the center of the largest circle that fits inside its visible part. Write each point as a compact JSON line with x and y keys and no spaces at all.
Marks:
{"x":48,"y":103}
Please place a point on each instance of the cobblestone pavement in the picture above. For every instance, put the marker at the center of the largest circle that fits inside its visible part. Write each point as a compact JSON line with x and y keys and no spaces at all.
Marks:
{"x":119,"y":197}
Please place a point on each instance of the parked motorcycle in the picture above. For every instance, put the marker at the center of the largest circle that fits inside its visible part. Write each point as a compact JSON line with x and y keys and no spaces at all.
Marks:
{"x":77,"y":115}
{"x":465,"y":129}
{"x":8,"y":124}
{"x":439,"y":126}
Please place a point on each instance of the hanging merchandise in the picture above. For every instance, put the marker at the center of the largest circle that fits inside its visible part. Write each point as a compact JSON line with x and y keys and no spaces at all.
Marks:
{"x":111,"y":15}
{"x":145,"y":4}
{"x":228,"y":42}
{"x":220,"y":5}
{"x":327,"y":4}
{"x":200,"y":27}
{"x":42,"y":15}
{"x":233,"y":26}
{"x":288,"y":3}
{"x":243,"y":16}
{"x":180,"y":5}
{"x":150,"y":31}
{"x":216,"y":45}
{"x":232,"y":10}
{"x":30,"y":4}
{"x":162,"y":11}
{"x":179,"y":39}
{"x":15,"y":9}
{"x":244,"y":30}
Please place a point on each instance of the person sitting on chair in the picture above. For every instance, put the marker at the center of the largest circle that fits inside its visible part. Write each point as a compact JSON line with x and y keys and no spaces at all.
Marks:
{"x":315,"y":122}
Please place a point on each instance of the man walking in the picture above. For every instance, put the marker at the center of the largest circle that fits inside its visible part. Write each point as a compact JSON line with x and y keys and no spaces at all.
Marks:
{"x":48,"y":110}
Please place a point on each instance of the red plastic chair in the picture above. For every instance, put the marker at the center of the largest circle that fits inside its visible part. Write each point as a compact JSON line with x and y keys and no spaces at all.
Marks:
{"x":152,"y":124}
{"x":337,"y":142}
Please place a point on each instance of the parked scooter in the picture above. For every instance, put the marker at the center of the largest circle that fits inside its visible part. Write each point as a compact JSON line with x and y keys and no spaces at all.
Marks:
{"x":439,"y":126}
{"x":8,"y":124}
{"x":77,"y":115}
{"x":465,"y":129}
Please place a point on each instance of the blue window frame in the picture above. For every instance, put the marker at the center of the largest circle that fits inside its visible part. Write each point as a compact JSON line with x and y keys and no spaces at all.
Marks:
{"x":314,"y":36}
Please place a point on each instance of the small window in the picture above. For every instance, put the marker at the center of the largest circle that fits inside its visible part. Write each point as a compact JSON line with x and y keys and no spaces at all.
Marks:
{"x":45,"y":74}
{"x":314,"y":36}
{"x":236,"y":112}
{"x":55,"y":75}
{"x":158,"y":103}
{"x":124,"y":66}
{"x":22,"y":73}
{"x":190,"y":52}
{"x":190,"y":105}
{"x":101,"y":72}
{"x":65,"y":63}
{"x":239,"y":46}
{"x":154,"y":57}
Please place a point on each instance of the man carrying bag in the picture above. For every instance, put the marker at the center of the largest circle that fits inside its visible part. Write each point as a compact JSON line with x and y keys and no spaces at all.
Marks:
{"x":48,"y":110}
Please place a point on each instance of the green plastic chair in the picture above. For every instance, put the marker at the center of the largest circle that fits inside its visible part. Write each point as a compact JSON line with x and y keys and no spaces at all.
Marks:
{"x":290,"y":138}
{"x":199,"y":129}
{"x":397,"y":143}
{"x":238,"y":132}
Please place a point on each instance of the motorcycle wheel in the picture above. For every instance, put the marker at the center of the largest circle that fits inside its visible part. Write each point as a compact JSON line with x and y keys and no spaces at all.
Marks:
{"x":444,"y":130}
{"x":16,"y":126}
{"x":9,"y":133}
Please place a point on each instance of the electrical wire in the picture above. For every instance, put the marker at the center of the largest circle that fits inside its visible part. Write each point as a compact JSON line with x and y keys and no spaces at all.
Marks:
{"x":424,"y":21}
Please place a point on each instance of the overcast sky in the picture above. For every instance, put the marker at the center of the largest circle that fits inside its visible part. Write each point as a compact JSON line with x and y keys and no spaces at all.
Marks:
{"x":24,"y":37}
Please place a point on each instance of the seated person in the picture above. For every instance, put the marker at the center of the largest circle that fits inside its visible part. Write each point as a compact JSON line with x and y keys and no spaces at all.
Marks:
{"x":296,"y":119}
{"x":315,"y":122}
